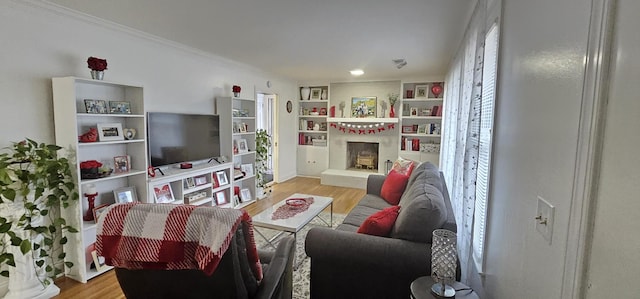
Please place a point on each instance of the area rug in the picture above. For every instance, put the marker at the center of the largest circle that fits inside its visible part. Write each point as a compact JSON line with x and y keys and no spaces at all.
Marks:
{"x":301,"y":274}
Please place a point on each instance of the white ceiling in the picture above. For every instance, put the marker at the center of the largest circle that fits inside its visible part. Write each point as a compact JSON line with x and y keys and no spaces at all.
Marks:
{"x":305,"y":40}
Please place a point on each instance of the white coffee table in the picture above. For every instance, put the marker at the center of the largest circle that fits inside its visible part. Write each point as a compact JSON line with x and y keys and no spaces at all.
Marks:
{"x":295,"y":223}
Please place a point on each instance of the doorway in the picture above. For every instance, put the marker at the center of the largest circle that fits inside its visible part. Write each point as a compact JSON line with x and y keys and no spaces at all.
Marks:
{"x":266,"y":120}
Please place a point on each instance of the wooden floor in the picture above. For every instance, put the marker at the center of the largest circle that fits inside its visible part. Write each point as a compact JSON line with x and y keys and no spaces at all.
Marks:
{"x":106,"y":285}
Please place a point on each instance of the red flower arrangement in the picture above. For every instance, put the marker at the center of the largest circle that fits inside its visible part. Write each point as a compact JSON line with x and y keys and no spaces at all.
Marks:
{"x":236,"y":88}
{"x":97,"y":64}
{"x":90,"y":164}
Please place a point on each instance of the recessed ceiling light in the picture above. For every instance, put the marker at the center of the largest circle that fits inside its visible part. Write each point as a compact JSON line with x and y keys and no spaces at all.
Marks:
{"x":357,"y":72}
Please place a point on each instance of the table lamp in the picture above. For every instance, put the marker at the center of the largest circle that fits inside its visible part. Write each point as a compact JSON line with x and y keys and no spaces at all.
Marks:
{"x":443,"y":263}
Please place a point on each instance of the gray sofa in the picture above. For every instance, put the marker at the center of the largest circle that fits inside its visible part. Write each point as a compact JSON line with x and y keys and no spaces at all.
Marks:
{"x":346,"y":264}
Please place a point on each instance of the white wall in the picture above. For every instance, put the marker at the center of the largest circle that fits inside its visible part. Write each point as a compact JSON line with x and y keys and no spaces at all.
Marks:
{"x":614,"y":266}
{"x":40,"y":42}
{"x":541,"y":70}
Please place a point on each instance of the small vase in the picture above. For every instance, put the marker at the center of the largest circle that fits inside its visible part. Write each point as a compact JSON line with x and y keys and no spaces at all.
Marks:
{"x":323,"y":95}
{"x":97,"y":75}
{"x":392,"y":112}
{"x":304,"y":93}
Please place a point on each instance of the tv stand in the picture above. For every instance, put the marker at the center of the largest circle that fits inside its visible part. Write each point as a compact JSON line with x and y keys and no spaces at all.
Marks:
{"x":196,"y":185}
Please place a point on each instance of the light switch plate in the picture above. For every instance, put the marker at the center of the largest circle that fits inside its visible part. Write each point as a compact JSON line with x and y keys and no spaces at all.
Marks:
{"x":544,"y":225}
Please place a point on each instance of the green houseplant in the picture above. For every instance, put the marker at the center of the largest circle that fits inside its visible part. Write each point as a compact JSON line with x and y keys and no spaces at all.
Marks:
{"x":35,"y":182}
{"x":263,"y":143}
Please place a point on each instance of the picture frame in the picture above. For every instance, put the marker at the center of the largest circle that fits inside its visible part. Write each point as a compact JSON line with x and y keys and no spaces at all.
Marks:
{"x":119,"y":107}
{"x":243,"y":128}
{"x":364,"y":107}
{"x":407,"y":129}
{"x":99,"y":210}
{"x":122,"y":164}
{"x":316,"y":94}
{"x":236,"y":200}
{"x":247,"y":169}
{"x":125,"y":194}
{"x":200,"y":180}
{"x":95,"y":106}
{"x":221,"y":177}
{"x":110,"y":132}
{"x":98,"y":262}
{"x":422,"y":129}
{"x":414,"y":111}
{"x":245,"y":195}
{"x":221,"y":198}
{"x":242,"y":146}
{"x":162,"y":193}
{"x":189,"y":183}
{"x":421,"y":91}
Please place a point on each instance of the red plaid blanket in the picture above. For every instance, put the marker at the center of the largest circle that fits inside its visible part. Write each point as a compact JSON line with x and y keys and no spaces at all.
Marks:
{"x":172,"y":237}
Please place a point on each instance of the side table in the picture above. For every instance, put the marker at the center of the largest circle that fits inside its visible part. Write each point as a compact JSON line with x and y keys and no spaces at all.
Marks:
{"x":421,"y":289}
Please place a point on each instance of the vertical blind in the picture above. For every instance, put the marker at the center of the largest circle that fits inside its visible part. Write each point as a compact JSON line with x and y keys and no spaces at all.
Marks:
{"x":484,"y":151}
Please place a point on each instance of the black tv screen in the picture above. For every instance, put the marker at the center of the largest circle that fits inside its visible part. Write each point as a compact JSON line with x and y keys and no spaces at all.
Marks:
{"x":177,"y":137}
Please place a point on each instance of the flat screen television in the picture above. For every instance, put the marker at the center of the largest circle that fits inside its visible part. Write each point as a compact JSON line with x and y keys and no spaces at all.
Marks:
{"x":178,"y":137}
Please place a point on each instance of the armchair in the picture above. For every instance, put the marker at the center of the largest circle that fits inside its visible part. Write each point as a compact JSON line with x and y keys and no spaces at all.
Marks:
{"x":233,"y":275}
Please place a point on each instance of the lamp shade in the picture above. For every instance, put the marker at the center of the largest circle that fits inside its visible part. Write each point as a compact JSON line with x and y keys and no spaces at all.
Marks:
{"x":444,"y":259}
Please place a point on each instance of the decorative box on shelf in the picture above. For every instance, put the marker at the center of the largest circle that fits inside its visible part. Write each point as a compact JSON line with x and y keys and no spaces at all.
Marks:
{"x":319,"y":142}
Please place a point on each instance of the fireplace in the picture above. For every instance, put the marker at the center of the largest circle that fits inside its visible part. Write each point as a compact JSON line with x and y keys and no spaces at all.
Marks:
{"x":362,"y":156}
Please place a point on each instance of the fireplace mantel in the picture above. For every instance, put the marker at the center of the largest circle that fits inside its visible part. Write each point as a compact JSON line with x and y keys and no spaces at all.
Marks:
{"x":369,"y":120}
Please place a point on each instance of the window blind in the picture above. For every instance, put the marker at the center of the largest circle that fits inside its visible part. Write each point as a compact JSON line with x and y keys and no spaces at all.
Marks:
{"x":484,"y":151}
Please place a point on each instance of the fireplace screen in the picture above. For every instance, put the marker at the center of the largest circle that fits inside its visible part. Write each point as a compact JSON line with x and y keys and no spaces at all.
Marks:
{"x":362,"y":156}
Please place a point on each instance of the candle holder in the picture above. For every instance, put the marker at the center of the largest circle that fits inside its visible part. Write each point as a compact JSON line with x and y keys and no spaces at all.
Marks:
{"x":91,"y":194}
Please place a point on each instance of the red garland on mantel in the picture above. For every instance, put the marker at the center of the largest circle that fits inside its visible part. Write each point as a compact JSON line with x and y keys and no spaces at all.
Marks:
{"x":362,"y":129}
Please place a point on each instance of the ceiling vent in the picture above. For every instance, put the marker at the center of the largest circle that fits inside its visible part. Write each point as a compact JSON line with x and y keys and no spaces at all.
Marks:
{"x":399,"y":62}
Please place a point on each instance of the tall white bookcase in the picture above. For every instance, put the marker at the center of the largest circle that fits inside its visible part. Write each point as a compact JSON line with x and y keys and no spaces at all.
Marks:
{"x":71,"y":120}
{"x":238,"y":141}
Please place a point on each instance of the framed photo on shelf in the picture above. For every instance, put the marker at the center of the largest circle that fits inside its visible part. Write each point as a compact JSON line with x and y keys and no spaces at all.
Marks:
{"x":247,"y":169}
{"x":236,"y":200}
{"x":364,"y":106}
{"x":245,"y":195}
{"x":414,"y":111}
{"x":98,"y":261}
{"x":316,"y":94}
{"x":422,"y":129}
{"x":200,"y":180}
{"x":221,"y":198}
{"x":221,"y":177}
{"x":163,"y":193}
{"x":421,"y":91}
{"x":122,"y":164}
{"x":189,"y":183}
{"x":407,"y":129}
{"x":95,"y":106}
{"x":99,"y":210}
{"x":119,"y":107}
{"x":125,"y":195}
{"x":242,"y":146}
{"x":243,"y":128}
{"x":110,"y":132}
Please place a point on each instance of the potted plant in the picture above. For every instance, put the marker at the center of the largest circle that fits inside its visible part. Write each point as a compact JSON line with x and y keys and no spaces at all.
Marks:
{"x":35,"y":183}
{"x":263,"y":143}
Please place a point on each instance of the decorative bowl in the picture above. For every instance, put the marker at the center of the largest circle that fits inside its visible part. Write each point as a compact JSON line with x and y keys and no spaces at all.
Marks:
{"x":296,"y":202}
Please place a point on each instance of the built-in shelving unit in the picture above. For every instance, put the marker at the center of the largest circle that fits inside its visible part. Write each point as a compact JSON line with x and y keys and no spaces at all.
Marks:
{"x":313,"y":131}
{"x":238,"y":141}
{"x":421,"y":121}
{"x":71,"y":120}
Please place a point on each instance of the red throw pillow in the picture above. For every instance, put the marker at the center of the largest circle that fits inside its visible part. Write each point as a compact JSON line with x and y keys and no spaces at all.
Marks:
{"x":393,"y":187}
{"x":380,"y":223}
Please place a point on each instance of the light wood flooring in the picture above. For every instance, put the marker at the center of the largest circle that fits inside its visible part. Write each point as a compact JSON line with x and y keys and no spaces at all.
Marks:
{"x":106,"y":285}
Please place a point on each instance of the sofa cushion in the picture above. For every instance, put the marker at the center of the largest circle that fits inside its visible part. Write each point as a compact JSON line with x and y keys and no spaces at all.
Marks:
{"x":425,"y":172}
{"x":374,"y":201}
{"x":403,"y":166}
{"x":424,"y":212}
{"x":393,"y":187}
{"x":358,"y":214}
{"x":380,"y":223}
